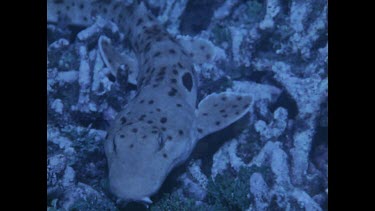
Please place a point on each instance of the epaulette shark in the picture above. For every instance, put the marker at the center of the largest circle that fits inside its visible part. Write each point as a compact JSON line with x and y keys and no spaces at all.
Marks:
{"x":158,"y":129}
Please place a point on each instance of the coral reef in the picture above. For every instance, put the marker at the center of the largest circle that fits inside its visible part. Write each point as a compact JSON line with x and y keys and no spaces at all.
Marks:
{"x":276,"y":51}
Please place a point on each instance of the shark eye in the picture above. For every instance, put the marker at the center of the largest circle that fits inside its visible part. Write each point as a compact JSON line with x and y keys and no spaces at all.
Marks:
{"x":187,"y":81}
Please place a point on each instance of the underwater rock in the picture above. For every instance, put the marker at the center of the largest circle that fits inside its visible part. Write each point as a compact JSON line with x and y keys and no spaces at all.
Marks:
{"x":84,"y":197}
{"x":305,"y":201}
{"x":306,"y":32}
{"x":256,"y":90}
{"x":260,"y":190}
{"x":57,"y":106}
{"x":226,"y":156}
{"x":272,"y":155}
{"x":273,"y":9}
{"x":59,"y":44}
{"x":171,"y":13}
{"x":54,"y":136}
{"x":275,"y":128}
{"x":224,"y":10}
{"x":194,"y":181}
{"x":55,"y":168}
{"x":67,"y":77}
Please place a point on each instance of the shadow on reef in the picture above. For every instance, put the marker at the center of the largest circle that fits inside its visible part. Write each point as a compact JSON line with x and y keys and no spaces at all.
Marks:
{"x":203,"y":10}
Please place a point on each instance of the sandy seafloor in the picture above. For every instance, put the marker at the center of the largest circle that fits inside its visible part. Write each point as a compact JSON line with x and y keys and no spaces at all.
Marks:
{"x":275,"y":158}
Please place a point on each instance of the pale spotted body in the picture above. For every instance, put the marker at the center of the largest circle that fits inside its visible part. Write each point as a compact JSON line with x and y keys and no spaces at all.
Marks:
{"x":158,"y":129}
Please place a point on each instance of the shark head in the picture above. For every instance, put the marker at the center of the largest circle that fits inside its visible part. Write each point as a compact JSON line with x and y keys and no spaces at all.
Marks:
{"x":144,"y":145}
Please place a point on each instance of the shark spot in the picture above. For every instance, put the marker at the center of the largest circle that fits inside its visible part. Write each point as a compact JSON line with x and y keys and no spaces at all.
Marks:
{"x":146,"y":61}
{"x":115,"y":6}
{"x":73,"y":4}
{"x":223,"y":98}
{"x":169,"y":137}
{"x":144,"y":136}
{"x":173,"y":80}
{"x":105,"y":10}
{"x":142,"y":117}
{"x":205,"y":114}
{"x":234,"y":106}
{"x":154,"y":131}
{"x":225,"y":115}
{"x":208,"y":56}
{"x":142,"y":101}
{"x":131,"y":145}
{"x":114,"y":145}
{"x":163,"y":129}
{"x":187,"y":81}
{"x":215,"y":105}
{"x":162,"y":70}
{"x":85,"y":18}
{"x":172,"y":92}
{"x":123,"y":120}
{"x":184,"y":52}
{"x":67,"y":7}
{"x":139,"y":21}
{"x":155,"y":85}
{"x":147,"y":47}
{"x":200,"y":130}
{"x":136,"y":45}
{"x":202,"y":47}
{"x":239,"y":98}
{"x":178,"y":105}
{"x":151,"y":102}
{"x":58,"y":12}
{"x":222,"y":110}
{"x":157,"y":54}
{"x":237,"y":112}
{"x":158,"y":109}
{"x":81,"y":6}
{"x":175,"y":72}
{"x":134,"y":130}
{"x":181,"y":132}
{"x":122,"y":136}
{"x":217,"y":123}
{"x":172,"y":51}
{"x":163,"y":120}
{"x":165,"y":155}
{"x":159,"y":78}
{"x":245,"y":106}
{"x":149,"y":121}
{"x":180,"y":65}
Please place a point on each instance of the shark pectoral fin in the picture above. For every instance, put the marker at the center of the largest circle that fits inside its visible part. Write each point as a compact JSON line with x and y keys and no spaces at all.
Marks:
{"x":218,"y":111}
{"x":200,"y":50}
{"x":116,"y":61}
